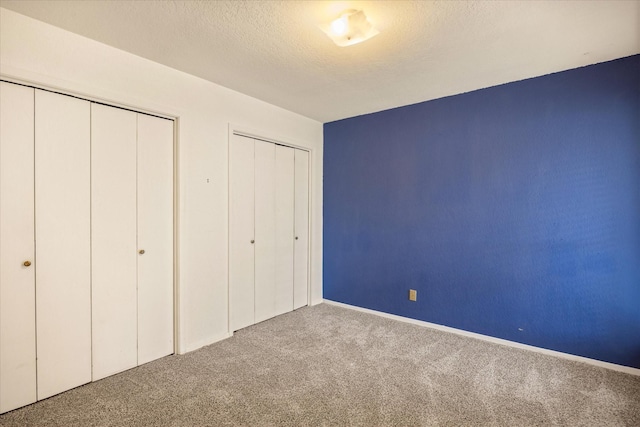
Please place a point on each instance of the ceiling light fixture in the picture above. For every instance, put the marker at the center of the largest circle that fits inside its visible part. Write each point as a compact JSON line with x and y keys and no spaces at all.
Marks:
{"x":351,"y":27}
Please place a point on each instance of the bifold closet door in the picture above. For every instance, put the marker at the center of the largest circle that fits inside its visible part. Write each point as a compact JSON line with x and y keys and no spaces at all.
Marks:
{"x":81,"y":186}
{"x":17,"y":280}
{"x":241,"y":232}
{"x":113,"y":243}
{"x":265,"y":230}
{"x":155,"y":238}
{"x":301,"y":257}
{"x":283,"y":293}
{"x":269,"y":204}
{"x":63,"y":252}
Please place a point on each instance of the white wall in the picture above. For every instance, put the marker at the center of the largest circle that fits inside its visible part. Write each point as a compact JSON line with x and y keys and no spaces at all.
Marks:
{"x":35,"y":52}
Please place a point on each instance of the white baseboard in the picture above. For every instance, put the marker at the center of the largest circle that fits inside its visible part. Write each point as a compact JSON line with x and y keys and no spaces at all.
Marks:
{"x":599,"y":363}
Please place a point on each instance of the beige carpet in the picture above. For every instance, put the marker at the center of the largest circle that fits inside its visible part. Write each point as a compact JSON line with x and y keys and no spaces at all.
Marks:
{"x":326,"y":365}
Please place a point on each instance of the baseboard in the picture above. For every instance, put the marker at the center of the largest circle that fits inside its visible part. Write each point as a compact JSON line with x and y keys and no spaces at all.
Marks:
{"x":204,"y":342}
{"x":599,"y":363}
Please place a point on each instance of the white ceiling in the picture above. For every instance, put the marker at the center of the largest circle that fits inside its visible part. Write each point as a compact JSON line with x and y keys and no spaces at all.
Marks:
{"x":274,"y":50}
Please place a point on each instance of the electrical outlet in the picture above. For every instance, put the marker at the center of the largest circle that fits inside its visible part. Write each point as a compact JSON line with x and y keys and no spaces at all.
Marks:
{"x":413,"y":295}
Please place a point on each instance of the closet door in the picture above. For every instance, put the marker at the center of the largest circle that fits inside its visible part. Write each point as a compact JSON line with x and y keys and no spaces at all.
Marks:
{"x":155,"y":238}
{"x":17,"y":280}
{"x":241,"y":232}
{"x":301,"y":256}
{"x":63,"y":253}
{"x":283,"y":295}
{"x":265,"y":230}
{"x":113,"y":240}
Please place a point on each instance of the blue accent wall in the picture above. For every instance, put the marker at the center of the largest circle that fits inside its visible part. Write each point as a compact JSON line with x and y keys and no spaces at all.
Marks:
{"x":514,"y":211}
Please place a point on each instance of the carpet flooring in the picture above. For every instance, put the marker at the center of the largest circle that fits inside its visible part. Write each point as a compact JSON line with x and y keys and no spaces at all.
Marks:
{"x":331,"y":366}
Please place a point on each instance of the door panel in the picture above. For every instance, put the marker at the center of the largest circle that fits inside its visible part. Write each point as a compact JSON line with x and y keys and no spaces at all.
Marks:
{"x":63,"y":252}
{"x":17,"y":281}
{"x":285,"y":174}
{"x":155,"y":237}
{"x":241,"y":232}
{"x":301,"y":257}
{"x":114,"y":250}
{"x":265,"y":224}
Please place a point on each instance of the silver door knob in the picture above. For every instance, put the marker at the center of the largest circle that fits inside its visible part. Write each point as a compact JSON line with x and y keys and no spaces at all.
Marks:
{"x":141,"y":251}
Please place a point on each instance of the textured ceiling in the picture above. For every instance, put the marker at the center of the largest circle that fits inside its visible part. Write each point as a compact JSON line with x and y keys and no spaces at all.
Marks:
{"x":274,"y":50}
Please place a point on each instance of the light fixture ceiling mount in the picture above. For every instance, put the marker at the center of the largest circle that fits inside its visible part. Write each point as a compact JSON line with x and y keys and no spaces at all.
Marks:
{"x":351,"y":27}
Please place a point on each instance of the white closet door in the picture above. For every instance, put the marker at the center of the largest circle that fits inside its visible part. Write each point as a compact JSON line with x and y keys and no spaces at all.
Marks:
{"x":155,"y":238}
{"x":283,"y":295}
{"x":17,"y":281}
{"x":63,"y":252}
{"x":241,"y":232}
{"x":113,"y":244}
{"x":265,"y":224}
{"x":301,"y":257}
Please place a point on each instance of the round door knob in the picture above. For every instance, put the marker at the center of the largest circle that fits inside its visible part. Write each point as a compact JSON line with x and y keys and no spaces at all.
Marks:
{"x":253,"y":241}
{"x":141,"y":251}
{"x":26,"y":263}
{"x":296,"y":237}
